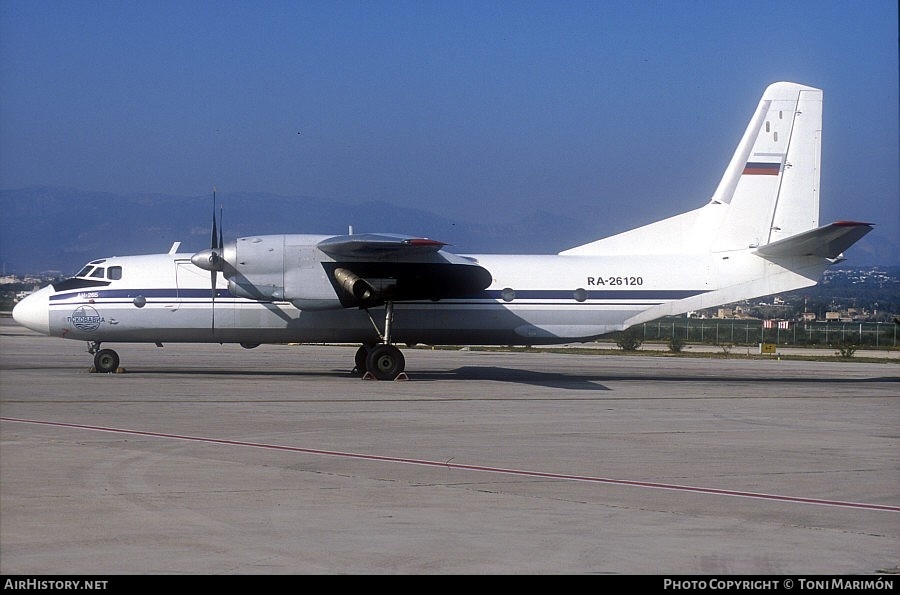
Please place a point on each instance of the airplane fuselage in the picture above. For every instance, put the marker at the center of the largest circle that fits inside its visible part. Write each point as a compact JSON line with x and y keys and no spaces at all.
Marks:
{"x":531,"y":300}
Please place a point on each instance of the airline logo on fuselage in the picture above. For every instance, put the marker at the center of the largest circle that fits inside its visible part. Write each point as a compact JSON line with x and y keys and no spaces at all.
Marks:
{"x":85,"y":318}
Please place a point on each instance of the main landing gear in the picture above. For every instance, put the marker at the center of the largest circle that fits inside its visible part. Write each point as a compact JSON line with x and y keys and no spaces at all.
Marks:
{"x":381,"y":361}
{"x":106,"y":361}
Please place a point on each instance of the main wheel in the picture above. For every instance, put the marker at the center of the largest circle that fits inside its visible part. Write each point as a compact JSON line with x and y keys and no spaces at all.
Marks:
{"x":385,"y":362}
{"x":106,"y":360}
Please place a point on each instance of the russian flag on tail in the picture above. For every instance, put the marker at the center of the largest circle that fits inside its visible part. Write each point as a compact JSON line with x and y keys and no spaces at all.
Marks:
{"x":755,"y":168}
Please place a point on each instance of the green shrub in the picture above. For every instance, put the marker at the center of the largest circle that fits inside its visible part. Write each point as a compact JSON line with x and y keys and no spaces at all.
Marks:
{"x":628,"y":340}
{"x":846,"y":348}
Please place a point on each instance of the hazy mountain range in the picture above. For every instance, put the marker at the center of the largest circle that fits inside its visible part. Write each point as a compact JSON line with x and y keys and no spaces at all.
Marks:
{"x":53,"y":228}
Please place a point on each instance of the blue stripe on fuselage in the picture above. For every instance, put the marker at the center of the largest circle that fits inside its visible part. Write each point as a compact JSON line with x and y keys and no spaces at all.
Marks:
{"x":104,"y":294}
{"x":658,"y":295}
{"x":596,"y":294}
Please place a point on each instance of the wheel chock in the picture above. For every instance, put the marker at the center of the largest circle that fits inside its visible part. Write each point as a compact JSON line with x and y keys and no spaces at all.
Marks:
{"x":400,"y":376}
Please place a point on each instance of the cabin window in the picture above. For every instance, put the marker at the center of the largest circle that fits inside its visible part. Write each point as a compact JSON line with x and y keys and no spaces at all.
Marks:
{"x":767,"y":127}
{"x":114,"y":273}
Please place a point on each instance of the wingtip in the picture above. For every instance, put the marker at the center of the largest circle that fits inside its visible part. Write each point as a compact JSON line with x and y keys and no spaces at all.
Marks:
{"x":852,"y":224}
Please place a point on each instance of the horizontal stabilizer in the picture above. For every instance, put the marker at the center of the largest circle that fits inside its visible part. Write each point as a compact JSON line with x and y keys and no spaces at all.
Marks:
{"x":826,"y":242}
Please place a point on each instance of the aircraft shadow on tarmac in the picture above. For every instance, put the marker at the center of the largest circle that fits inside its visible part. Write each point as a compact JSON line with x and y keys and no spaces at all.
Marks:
{"x":466,"y":373}
{"x":560,"y":380}
{"x":591,"y":381}
{"x":514,"y":375}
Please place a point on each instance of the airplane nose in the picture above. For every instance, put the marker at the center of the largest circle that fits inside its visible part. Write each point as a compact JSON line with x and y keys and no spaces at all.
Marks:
{"x":34,"y":311}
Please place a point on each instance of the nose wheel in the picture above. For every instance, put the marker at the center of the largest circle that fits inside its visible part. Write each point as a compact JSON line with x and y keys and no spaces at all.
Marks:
{"x":106,"y":361}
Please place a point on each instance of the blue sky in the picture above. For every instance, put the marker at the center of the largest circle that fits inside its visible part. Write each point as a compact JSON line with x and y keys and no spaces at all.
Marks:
{"x":620,"y":111}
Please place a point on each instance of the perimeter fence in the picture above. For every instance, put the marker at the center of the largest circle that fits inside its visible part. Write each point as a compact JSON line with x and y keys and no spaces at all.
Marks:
{"x":876,"y":335}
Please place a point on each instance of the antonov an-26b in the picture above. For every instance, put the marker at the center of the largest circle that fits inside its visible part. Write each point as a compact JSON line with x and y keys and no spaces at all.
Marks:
{"x":758,"y":235}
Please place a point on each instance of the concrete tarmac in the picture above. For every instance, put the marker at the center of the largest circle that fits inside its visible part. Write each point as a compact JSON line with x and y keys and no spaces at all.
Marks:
{"x":212,"y":459}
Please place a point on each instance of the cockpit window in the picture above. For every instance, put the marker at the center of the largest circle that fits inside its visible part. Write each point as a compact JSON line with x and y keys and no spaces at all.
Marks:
{"x":85,"y":271}
{"x":99,"y":273}
{"x":114,"y":273}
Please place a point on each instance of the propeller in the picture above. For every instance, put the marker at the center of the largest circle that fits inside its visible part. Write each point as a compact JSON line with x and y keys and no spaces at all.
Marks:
{"x":212,"y":260}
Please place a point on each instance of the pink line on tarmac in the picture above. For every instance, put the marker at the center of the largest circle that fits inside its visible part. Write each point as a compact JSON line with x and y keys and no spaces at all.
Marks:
{"x":461,"y":466}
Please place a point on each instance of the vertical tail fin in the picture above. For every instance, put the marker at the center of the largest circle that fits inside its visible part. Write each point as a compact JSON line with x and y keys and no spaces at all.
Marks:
{"x":770,"y":190}
{"x":772,"y":182}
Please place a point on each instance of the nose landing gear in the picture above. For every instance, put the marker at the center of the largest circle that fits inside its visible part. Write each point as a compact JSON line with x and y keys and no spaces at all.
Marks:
{"x":106,"y":361}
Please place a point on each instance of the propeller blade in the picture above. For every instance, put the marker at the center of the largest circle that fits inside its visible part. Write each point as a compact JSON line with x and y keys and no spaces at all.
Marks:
{"x":212,"y":279}
{"x":215,"y":244}
{"x":221,"y":229}
{"x":212,"y":259}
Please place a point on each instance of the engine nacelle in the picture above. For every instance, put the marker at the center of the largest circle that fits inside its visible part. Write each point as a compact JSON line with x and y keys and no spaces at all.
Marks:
{"x":280,"y":268}
{"x":255,"y":268}
{"x":315,"y":272}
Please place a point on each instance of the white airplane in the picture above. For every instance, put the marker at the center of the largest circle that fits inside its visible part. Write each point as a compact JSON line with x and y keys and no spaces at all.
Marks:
{"x":758,"y":235}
